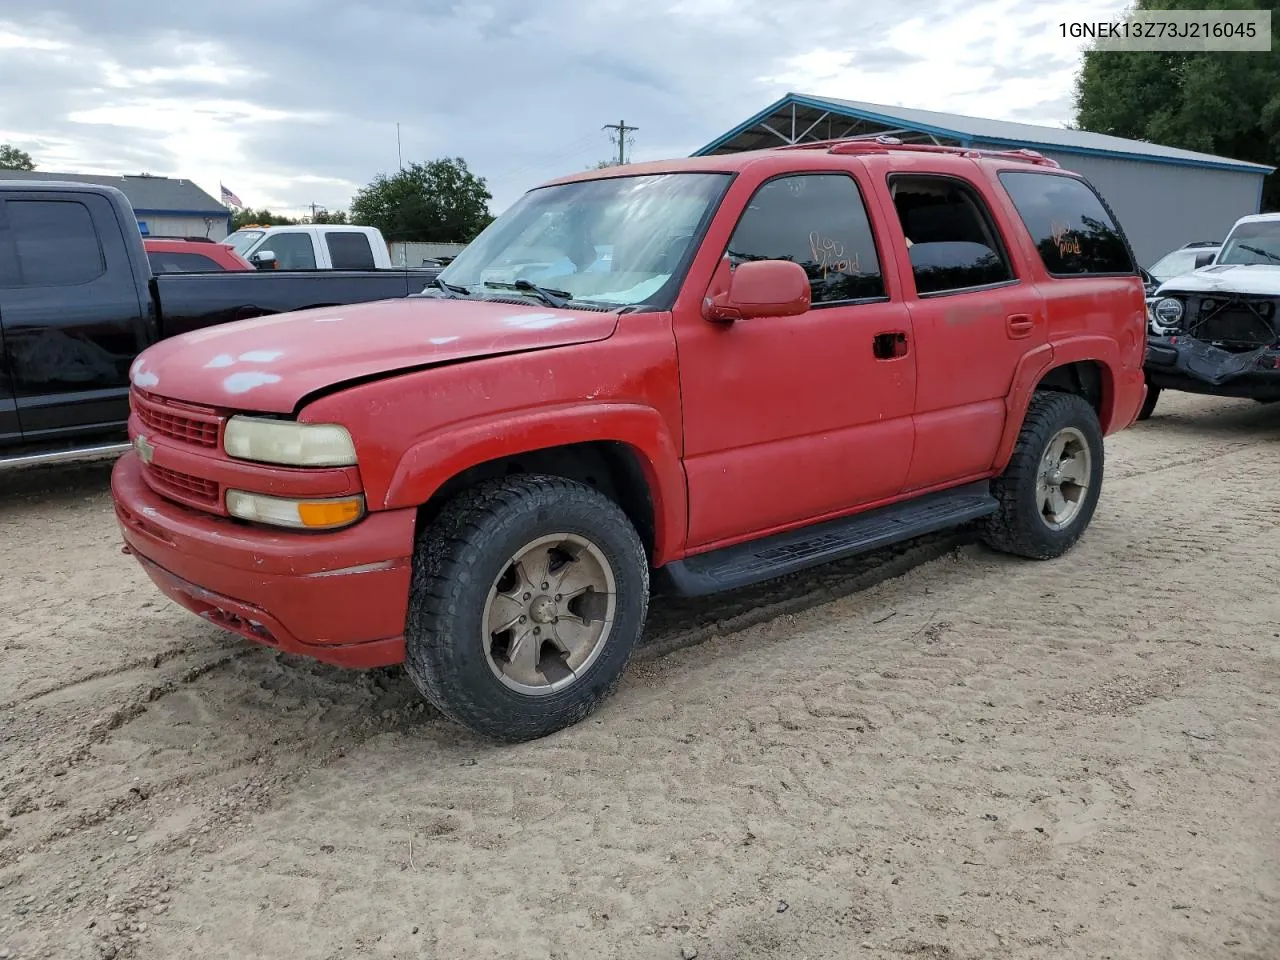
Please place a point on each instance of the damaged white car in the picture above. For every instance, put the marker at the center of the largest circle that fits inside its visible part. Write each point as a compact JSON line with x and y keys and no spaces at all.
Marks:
{"x":1215,"y":330}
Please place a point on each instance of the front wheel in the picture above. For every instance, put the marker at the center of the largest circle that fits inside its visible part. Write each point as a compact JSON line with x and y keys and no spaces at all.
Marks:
{"x":529,"y":594}
{"x":1149,"y":404}
{"x":1049,"y":490}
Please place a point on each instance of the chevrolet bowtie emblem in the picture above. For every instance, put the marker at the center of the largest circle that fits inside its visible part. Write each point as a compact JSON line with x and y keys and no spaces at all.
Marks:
{"x":145,"y":450}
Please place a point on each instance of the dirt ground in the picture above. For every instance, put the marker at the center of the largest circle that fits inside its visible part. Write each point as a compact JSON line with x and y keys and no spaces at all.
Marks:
{"x":936,"y":753}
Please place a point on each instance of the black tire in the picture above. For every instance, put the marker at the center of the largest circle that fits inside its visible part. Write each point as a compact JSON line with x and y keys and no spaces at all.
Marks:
{"x":1019,"y":527}
{"x":1149,"y":404}
{"x":457,"y":560}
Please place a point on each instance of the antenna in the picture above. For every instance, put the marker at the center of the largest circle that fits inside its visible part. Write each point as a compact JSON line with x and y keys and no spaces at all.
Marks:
{"x":399,"y":155}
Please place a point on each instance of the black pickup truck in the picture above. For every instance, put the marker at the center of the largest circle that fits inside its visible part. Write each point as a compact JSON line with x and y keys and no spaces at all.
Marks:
{"x":78,"y":303}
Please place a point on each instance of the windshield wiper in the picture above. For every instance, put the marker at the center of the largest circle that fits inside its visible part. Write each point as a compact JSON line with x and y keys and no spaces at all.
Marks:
{"x":453,"y":290}
{"x":1259,"y":251}
{"x":552,"y":298}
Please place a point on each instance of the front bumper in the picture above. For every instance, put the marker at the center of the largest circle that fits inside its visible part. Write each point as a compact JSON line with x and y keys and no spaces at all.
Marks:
{"x":1183,"y":363}
{"x":340,"y":596}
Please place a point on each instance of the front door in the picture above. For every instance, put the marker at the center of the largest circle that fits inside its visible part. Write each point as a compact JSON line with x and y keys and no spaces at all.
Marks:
{"x":71,"y":313}
{"x":794,"y":419}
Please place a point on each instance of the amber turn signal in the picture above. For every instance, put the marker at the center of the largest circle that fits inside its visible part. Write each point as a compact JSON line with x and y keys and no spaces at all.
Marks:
{"x":299,"y":514}
{"x":331,"y":513}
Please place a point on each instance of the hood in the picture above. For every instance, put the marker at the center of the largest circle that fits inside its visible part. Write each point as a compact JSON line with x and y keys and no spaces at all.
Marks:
{"x":269,"y":364}
{"x":1261,"y":279}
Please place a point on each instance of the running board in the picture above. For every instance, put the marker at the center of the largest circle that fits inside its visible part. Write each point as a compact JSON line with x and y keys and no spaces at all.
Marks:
{"x":66,"y":455}
{"x":745,"y":564}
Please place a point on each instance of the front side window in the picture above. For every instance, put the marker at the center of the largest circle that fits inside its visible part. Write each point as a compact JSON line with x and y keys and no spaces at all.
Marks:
{"x":622,"y":241}
{"x":349,"y":250}
{"x":1252,"y":242}
{"x":294,"y":251}
{"x":1072,"y":230}
{"x":56,"y":242}
{"x":952,"y":240}
{"x":819,"y":222}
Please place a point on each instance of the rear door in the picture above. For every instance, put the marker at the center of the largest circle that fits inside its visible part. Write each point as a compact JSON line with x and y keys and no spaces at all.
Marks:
{"x":349,"y":250}
{"x":70,"y":312}
{"x":974,"y":317}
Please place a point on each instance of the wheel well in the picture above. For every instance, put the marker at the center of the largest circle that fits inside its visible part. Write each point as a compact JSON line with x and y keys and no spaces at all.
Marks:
{"x":612,"y":468}
{"x":1083,"y":377}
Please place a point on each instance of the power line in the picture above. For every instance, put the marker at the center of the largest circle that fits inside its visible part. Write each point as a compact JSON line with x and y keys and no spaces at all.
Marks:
{"x":621,"y":138}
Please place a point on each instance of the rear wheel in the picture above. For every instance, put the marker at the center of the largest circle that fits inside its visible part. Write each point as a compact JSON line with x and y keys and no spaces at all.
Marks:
{"x":529,"y":595}
{"x":1050,"y":488}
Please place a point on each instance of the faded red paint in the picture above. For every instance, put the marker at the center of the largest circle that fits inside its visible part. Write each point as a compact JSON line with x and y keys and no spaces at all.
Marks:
{"x":739,"y":429}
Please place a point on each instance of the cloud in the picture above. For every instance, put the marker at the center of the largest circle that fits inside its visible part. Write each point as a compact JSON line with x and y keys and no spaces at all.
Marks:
{"x":298,"y":101}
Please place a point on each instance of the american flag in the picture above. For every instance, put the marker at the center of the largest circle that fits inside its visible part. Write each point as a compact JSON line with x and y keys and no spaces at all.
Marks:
{"x":229,"y":197}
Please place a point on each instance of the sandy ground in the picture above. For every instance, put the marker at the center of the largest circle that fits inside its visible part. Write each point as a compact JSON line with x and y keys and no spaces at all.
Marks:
{"x":982,"y":758}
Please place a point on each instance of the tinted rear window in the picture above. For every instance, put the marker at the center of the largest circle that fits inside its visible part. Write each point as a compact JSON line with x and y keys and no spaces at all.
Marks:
{"x":169,"y":262}
{"x":349,"y":251}
{"x":1071,"y":228}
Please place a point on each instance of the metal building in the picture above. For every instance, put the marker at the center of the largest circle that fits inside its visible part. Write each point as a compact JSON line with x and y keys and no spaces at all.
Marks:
{"x":164,"y":206}
{"x":1164,"y":197}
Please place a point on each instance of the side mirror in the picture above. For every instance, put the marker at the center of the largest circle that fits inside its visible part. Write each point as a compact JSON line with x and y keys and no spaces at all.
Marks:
{"x":264,"y":259}
{"x":1204,"y":259}
{"x":761,"y":288}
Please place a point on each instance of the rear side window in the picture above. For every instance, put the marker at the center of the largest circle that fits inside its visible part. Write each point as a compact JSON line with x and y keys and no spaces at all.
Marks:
{"x":166,"y":262}
{"x":349,"y":251}
{"x":56,"y":242}
{"x":952,"y":240}
{"x":819,"y":222}
{"x":294,"y":251}
{"x":1071,"y":228}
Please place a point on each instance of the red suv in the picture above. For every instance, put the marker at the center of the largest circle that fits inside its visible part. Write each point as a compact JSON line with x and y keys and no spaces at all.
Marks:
{"x":191,"y":255}
{"x":717,"y":370}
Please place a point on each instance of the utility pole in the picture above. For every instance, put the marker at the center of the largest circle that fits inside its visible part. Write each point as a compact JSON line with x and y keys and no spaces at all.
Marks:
{"x":399,"y":154}
{"x":623,"y":130}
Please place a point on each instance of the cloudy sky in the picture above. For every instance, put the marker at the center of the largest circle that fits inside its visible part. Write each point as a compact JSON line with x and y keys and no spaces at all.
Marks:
{"x":290,"y":102}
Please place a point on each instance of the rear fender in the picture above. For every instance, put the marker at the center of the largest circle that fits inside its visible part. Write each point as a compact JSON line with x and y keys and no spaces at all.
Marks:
{"x":442,"y":454}
{"x":1033,"y":368}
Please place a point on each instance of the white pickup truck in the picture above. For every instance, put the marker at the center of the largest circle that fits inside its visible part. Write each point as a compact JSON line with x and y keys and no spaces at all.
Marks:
{"x":312,"y":246}
{"x":1216,"y":330}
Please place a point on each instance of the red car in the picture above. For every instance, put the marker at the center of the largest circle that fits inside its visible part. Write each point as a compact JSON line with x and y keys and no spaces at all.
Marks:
{"x":191,"y":255}
{"x":718,"y":370}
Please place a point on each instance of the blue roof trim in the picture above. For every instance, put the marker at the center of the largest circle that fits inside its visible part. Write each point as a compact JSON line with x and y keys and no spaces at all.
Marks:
{"x":182,"y":213}
{"x":968,"y":139}
{"x":1244,"y":166}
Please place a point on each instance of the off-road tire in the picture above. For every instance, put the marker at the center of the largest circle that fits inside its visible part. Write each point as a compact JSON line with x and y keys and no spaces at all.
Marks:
{"x":1018,"y":527}
{"x":1149,"y":404}
{"x":456,"y":560}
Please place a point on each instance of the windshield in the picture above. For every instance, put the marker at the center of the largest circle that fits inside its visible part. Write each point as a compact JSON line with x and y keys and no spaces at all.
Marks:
{"x":1176,"y":263}
{"x":618,"y":241}
{"x":242,"y":240}
{"x":1256,"y":242}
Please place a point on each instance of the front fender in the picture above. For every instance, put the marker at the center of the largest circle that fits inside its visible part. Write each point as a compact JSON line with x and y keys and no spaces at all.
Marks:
{"x":444,"y":453}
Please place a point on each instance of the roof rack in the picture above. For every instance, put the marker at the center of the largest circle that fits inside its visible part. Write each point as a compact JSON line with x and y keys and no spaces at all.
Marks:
{"x":882,"y":145}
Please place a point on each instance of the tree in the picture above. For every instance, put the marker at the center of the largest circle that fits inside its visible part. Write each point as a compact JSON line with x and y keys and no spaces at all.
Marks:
{"x":11,"y":158}
{"x":242,"y":218}
{"x":1220,"y":102}
{"x":329,"y":216}
{"x":437,"y":202}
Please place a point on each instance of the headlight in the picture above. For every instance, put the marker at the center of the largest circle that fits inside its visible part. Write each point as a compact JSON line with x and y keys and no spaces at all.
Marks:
{"x":302,"y":514}
{"x":1167,"y":311}
{"x":288,"y":442}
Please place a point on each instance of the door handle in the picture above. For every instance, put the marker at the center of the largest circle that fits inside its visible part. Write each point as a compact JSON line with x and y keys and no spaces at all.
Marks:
{"x":1020,"y":325}
{"x":889,"y":346}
